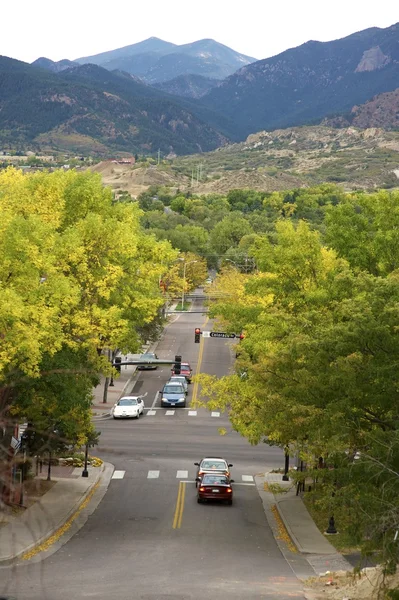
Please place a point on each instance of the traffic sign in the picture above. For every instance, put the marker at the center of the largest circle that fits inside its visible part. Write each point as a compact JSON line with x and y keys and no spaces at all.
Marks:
{"x":219,"y":334}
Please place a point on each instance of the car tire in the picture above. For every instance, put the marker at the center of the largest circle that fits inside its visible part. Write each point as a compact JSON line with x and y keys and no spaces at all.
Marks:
{"x":230,"y":502}
{"x":138,"y":416}
{"x":113,"y":417}
{"x":199,"y":500}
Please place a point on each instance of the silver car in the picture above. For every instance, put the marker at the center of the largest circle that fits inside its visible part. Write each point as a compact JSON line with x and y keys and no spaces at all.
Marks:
{"x":180,"y":379}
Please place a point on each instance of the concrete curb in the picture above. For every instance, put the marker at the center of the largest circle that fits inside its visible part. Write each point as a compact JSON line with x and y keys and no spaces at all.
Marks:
{"x":56,"y":525}
{"x":313,"y":547}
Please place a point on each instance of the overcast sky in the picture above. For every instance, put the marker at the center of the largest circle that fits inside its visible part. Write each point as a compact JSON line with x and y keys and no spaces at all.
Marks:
{"x":257,"y":28}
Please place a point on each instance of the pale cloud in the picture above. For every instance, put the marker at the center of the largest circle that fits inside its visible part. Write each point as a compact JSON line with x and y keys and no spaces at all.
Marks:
{"x":258,"y":28}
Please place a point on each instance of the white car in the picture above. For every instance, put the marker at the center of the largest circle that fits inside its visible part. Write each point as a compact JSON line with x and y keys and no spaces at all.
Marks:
{"x":128,"y":407}
{"x":181,"y":379}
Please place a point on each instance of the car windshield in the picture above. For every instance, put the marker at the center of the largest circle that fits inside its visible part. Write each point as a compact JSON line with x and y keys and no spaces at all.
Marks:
{"x":127,"y":402}
{"x":148,"y":356}
{"x":172,"y":389}
{"x":219,"y":465}
{"x":185,"y":366}
{"x":215,"y":480}
{"x":178,"y":379}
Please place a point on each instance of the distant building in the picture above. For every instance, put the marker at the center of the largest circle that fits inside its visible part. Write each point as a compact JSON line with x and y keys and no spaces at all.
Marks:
{"x":123,"y":161}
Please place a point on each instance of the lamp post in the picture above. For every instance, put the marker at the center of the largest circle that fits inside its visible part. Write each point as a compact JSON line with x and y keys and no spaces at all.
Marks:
{"x":85,"y":472}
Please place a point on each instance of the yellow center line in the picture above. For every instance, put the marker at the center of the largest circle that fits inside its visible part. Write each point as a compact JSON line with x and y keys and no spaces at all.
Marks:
{"x":179,"y":506}
{"x":182,"y":497}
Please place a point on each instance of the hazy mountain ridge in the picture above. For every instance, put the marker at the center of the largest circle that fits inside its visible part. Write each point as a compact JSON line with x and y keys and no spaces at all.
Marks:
{"x":310,"y":82}
{"x":156,"y":61}
{"x":188,"y":86}
{"x":55,"y":67}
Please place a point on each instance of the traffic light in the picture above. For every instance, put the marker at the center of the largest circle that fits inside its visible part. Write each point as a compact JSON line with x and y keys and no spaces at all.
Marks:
{"x":177,"y":367}
{"x":242,"y":336}
{"x":197,"y":335}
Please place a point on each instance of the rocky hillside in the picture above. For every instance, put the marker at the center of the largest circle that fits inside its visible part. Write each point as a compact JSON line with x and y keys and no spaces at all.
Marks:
{"x":305,"y":84}
{"x":275,"y":160}
{"x":381,"y":111}
{"x":155,"y":60}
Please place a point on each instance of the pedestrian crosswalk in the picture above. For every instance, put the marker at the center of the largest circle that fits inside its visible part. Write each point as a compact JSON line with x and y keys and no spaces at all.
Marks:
{"x":170,"y":412}
{"x":185,"y":475}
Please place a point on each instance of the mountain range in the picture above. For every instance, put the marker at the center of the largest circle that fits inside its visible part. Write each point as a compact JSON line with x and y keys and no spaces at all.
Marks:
{"x":156,"y":61}
{"x":85,"y":107}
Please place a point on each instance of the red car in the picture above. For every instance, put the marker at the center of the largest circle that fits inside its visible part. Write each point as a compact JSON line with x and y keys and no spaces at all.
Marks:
{"x":215,"y":487}
{"x":185,"y":370}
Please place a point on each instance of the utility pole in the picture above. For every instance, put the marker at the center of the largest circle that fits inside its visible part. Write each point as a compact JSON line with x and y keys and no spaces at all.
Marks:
{"x":159,"y":155}
{"x":192,"y":177}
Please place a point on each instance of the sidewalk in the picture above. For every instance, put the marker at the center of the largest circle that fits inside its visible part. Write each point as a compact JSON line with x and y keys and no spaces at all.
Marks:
{"x":320,"y":555}
{"x":61,"y":508}
{"x":122,"y":385}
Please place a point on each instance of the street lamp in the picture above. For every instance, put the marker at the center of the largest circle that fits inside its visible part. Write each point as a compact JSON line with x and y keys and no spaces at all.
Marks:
{"x":184,"y":277}
{"x":85,"y":472}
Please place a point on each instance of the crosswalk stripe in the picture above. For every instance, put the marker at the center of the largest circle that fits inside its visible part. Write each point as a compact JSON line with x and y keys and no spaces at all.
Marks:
{"x":153,"y":475}
{"x":118,"y":474}
{"x":181,"y":474}
{"x":150,"y":413}
{"x":169,"y":413}
{"x":247,"y":477}
{"x":215,"y":414}
{"x":192,"y":413}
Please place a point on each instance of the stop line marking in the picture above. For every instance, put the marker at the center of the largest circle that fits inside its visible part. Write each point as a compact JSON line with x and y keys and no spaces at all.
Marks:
{"x":181,"y":474}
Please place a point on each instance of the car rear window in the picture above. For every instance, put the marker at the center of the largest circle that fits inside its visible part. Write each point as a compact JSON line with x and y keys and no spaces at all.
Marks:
{"x":213,"y":464}
{"x":215,"y":480}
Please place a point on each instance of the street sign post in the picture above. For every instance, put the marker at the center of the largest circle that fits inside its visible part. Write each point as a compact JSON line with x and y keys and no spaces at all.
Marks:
{"x":220,"y":334}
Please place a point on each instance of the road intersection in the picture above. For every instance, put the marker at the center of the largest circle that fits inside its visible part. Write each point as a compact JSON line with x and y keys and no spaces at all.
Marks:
{"x":149,"y":539}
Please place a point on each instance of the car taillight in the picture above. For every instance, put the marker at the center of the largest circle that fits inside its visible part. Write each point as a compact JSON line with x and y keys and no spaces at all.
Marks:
{"x":202,"y":489}
{"x":229,"y":490}
{"x":200,"y":473}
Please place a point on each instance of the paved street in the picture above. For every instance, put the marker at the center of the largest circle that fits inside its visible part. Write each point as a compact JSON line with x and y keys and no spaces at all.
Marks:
{"x":148,"y":538}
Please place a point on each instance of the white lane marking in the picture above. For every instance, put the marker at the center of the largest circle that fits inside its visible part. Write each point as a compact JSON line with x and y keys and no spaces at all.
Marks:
{"x":215,"y":414}
{"x":150,"y":413}
{"x":247,"y":477}
{"x":153,"y":475}
{"x":155,"y":400}
{"x":118,"y":474}
{"x":181,"y":474}
{"x":192,"y":413}
{"x":238,"y":483}
{"x":169,"y":413}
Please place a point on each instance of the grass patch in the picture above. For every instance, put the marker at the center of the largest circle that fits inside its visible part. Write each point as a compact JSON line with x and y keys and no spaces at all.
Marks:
{"x":342,"y":540}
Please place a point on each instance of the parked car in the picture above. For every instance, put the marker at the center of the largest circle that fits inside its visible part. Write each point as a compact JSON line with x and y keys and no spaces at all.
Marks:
{"x":173,"y":394}
{"x":215,"y":466}
{"x":128,"y":407}
{"x":215,"y":487}
{"x":180,"y":379}
{"x":185,"y":370}
{"x":148,"y":356}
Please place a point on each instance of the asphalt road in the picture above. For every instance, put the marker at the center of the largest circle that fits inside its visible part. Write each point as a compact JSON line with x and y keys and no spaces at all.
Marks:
{"x":148,"y":538}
